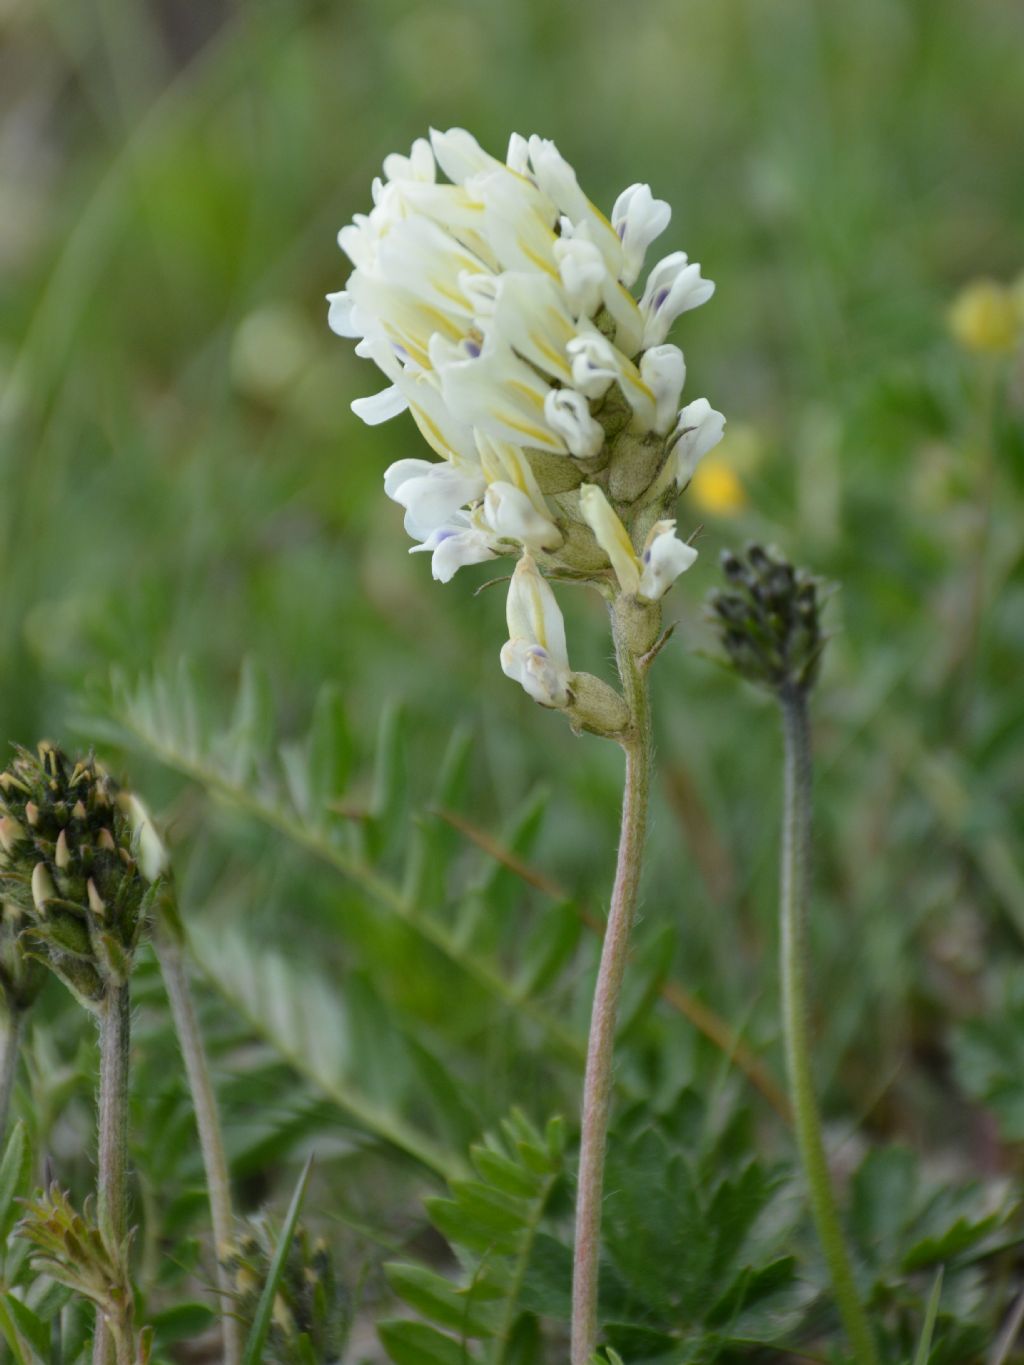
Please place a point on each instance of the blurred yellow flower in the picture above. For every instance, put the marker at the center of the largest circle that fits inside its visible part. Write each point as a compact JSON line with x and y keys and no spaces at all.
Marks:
{"x":987,"y":317}
{"x":716,"y":487}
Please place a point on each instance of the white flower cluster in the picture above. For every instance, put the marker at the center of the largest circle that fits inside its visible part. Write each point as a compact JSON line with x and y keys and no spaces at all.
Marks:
{"x":499,"y":306}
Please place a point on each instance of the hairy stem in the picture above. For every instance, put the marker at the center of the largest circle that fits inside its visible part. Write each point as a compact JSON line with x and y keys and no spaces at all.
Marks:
{"x":112,"y":1176}
{"x":793,"y":913}
{"x":10,"y":1051}
{"x":598,"y":1079}
{"x":211,"y":1142}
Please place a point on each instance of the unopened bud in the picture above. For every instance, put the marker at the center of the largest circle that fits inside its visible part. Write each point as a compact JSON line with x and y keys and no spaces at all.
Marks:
{"x":10,"y":833}
{"x":42,"y":887}
{"x":62,"y":854}
{"x":596,"y":707}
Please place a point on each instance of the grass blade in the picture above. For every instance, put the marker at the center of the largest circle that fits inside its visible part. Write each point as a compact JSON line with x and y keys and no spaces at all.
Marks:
{"x":265,"y":1308}
{"x":924,"y":1346}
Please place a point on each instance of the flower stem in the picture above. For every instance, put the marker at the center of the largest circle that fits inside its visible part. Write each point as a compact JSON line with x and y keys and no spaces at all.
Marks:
{"x":112,"y":1178}
{"x":10,"y":1051}
{"x":204,"y":1101}
{"x":793,"y":911}
{"x":597,"y":1084}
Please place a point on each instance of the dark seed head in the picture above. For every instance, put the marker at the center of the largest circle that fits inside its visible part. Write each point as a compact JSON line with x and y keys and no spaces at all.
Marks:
{"x":768,"y":620}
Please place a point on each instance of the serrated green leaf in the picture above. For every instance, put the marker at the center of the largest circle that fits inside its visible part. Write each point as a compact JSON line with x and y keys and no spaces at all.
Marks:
{"x":415,"y":1343}
{"x":461,"y":1229}
{"x":490,"y":1207}
{"x":945,"y":1246}
{"x":441,"y":1301}
{"x":504,"y":1174}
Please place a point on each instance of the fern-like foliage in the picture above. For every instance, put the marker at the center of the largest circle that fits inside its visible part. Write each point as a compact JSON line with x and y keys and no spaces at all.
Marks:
{"x":698,"y":1262}
{"x":493,"y":1220}
{"x":299,"y":789}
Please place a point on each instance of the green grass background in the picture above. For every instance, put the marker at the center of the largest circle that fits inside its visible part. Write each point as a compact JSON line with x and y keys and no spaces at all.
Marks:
{"x":182,"y":477}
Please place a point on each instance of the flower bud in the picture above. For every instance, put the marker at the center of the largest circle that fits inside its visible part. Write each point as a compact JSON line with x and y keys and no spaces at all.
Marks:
{"x":83,"y":896}
{"x":153,"y":858}
{"x":42,"y":888}
{"x":612,"y":537}
{"x":596,"y":707}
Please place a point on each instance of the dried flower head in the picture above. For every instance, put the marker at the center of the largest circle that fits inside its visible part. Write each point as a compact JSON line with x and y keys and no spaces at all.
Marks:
{"x":768,"y":620}
{"x":81,"y":861}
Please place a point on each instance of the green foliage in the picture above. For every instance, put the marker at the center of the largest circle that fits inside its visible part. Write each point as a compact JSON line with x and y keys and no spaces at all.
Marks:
{"x":912,"y":1224}
{"x":493,"y":1220}
{"x":989,"y":1052}
{"x":182,"y":477}
{"x":699,"y":1244}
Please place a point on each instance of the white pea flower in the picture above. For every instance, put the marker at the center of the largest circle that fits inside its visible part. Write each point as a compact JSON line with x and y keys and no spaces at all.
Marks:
{"x":431,"y":492}
{"x":699,"y":429}
{"x":583,"y":273}
{"x":663,"y":370}
{"x":674,"y":286}
{"x":638,"y":218}
{"x":595,"y":363}
{"x":568,"y":414}
{"x":496,"y":299}
{"x":647,"y":576}
{"x":664,"y":558}
{"x":535,"y":654}
{"x":512,"y":515}
{"x":454,"y":545}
